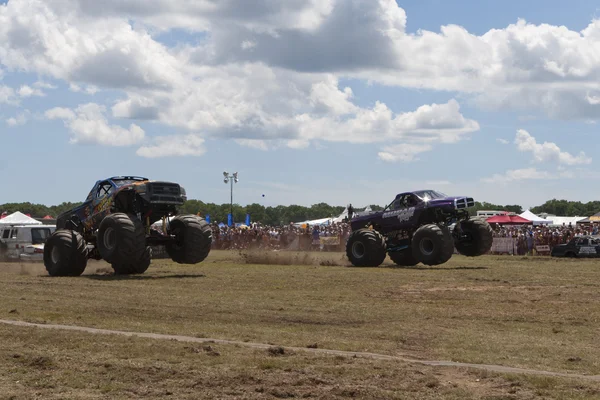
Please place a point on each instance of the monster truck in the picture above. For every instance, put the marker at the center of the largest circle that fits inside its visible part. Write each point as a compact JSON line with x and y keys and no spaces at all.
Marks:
{"x":117,"y":222}
{"x":416,"y":227}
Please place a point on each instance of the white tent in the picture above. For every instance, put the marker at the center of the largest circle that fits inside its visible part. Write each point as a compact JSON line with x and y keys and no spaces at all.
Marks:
{"x":534,"y":218}
{"x":559,"y":221}
{"x":341,"y":217}
{"x":18,"y":218}
{"x":322,"y":221}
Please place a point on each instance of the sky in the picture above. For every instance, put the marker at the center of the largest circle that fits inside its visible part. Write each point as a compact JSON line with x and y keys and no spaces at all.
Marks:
{"x":336,"y":101}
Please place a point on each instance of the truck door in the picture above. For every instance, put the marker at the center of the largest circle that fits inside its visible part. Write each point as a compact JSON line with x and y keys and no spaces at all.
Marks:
{"x":102,"y":200}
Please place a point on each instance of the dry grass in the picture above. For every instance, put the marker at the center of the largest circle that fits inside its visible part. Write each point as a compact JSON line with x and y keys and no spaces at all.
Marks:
{"x":37,"y":363}
{"x":513,"y":311}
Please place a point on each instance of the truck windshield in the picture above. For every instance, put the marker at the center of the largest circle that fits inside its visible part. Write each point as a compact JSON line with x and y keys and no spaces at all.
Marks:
{"x":430,"y":194}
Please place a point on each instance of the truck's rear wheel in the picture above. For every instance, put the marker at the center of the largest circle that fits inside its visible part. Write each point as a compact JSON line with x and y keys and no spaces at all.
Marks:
{"x":403,"y":258}
{"x":432,"y":244}
{"x":138,"y":267}
{"x":121,"y":239}
{"x":366,"y":248}
{"x":475,"y":239}
{"x":65,"y":253}
{"x":192,"y":239}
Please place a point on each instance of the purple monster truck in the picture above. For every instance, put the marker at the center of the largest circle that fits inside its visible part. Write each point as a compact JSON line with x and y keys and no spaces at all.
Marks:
{"x":416,"y":227}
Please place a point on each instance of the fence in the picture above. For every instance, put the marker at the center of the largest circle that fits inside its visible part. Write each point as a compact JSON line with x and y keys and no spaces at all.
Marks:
{"x":511,"y":246}
{"x":335,"y":243}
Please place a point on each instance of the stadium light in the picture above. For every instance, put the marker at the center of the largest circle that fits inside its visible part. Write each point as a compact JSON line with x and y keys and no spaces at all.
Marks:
{"x":233,"y":179}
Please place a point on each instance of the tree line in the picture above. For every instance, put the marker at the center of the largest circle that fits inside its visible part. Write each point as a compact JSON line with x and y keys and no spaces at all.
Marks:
{"x":281,"y":215}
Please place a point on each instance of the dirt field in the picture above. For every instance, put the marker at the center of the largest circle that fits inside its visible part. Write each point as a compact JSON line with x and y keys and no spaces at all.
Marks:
{"x":532,"y":313}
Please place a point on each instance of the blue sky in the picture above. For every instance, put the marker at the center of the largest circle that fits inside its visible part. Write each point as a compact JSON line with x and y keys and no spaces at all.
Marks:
{"x":305,"y":105}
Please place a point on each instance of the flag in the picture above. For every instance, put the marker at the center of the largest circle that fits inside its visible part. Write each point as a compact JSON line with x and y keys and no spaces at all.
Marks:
{"x":248,"y":219}
{"x":208,"y":218}
{"x":229,"y":219}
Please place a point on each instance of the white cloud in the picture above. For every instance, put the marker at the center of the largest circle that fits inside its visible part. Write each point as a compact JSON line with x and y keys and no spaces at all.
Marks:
{"x":60,"y":113}
{"x":28,"y":91}
{"x":254,"y":144}
{"x":520,"y":175}
{"x":269,"y":75}
{"x":502,"y":141}
{"x":173,"y":146}
{"x":44,"y":85}
{"x":326,"y":96}
{"x":403,"y":152}
{"x":547,"y":151}
{"x":248,"y":44}
{"x":20,"y":119}
{"x":520,"y":66}
{"x":435,"y":123}
{"x":89,"y":89}
{"x":53,"y":39}
{"x":7,"y":95}
{"x":88,"y":124}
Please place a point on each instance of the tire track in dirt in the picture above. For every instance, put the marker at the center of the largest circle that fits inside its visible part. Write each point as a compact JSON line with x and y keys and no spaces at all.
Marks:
{"x":376,"y":356}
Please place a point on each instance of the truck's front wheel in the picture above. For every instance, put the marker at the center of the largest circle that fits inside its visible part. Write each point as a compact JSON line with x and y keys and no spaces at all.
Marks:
{"x":65,"y":253}
{"x":121,"y":239}
{"x":432,"y":244}
{"x":366,"y":248}
{"x":192,"y":239}
{"x":138,"y":267}
{"x":474,"y":237}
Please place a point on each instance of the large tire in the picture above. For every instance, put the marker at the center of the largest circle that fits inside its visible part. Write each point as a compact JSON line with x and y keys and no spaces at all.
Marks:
{"x":138,"y":267}
{"x":403,"y":258}
{"x":477,"y":238}
{"x":121,"y":239}
{"x":432,"y":244}
{"x":193,"y":239}
{"x":366,"y":248}
{"x":65,"y":253}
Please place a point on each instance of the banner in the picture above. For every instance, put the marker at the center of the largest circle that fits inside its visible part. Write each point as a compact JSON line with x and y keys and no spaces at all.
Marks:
{"x":542,"y":249}
{"x":208,"y":218}
{"x":503,"y":245}
{"x":330,"y":241}
{"x":229,"y":220}
{"x":248,"y":219}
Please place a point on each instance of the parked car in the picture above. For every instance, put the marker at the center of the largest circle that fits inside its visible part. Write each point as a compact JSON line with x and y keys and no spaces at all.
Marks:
{"x":20,"y":242}
{"x":580,"y":246}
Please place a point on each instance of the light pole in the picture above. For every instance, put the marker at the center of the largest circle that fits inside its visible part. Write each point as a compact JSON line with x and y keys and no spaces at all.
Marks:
{"x":227,"y":179}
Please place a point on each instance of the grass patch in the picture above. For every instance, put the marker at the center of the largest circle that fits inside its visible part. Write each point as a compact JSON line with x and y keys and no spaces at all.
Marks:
{"x":536,"y":313}
{"x":38,"y":363}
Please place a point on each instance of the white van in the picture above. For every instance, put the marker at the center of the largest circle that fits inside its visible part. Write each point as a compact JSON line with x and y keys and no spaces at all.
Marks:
{"x":24,"y":242}
{"x":489,"y":213}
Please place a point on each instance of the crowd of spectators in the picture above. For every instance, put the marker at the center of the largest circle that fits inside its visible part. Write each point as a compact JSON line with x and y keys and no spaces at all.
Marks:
{"x":528,"y":237}
{"x":258,"y":236}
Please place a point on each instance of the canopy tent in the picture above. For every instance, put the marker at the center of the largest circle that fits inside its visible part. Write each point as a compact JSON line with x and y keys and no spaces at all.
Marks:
{"x":508,"y":220}
{"x":48,"y":217}
{"x":18,"y":218}
{"x":593,"y":218}
{"x":322,"y":221}
{"x":534,"y":218}
{"x":560,"y":221}
{"x":342,"y":216}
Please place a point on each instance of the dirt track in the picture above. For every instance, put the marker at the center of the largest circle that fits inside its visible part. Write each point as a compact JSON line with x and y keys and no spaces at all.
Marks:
{"x":439,"y":363}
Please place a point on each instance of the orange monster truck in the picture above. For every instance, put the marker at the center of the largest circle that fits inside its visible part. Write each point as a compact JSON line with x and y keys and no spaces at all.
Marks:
{"x":116,"y":224}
